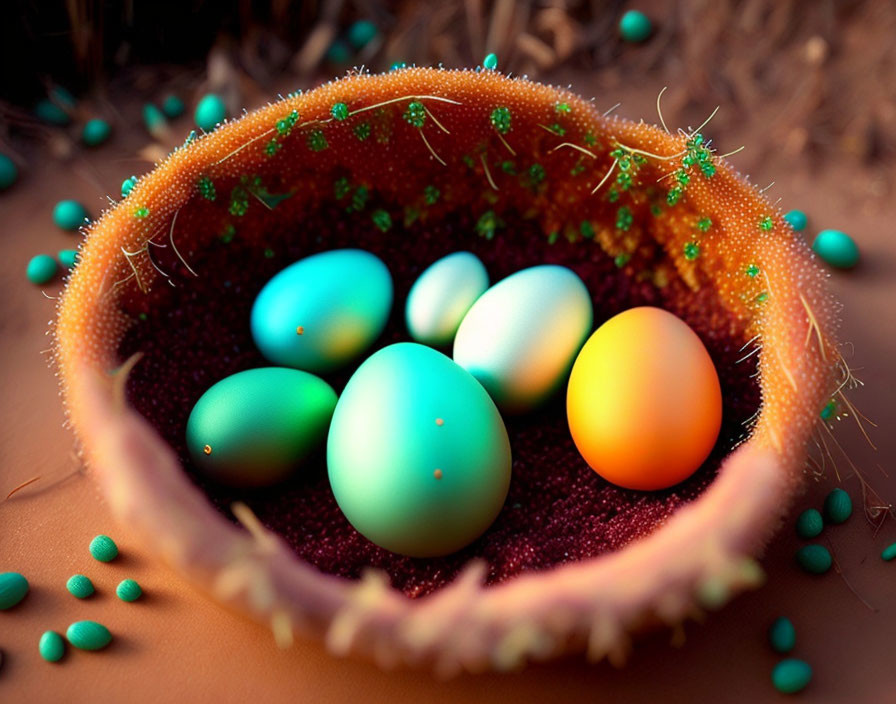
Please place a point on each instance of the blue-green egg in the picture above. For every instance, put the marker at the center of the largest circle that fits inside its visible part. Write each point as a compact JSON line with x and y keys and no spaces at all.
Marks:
{"x":209,"y":112}
{"x":9,"y":172}
{"x":69,"y":214}
{"x":323,"y":310}
{"x":836,"y":248}
{"x":521,"y":336}
{"x":153,"y":119}
{"x":442,"y":295}
{"x":50,"y":112}
{"x":95,"y":132}
{"x":418,"y":455}
{"x":255,"y":427}
{"x":173,"y":106}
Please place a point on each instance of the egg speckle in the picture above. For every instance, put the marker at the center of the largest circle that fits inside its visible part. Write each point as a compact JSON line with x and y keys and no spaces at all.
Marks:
{"x":644,"y":402}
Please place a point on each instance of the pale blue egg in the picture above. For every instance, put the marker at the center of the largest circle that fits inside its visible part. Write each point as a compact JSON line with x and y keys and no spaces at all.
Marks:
{"x":323,"y":311}
{"x":442,"y":295}
{"x":418,"y":455}
{"x":521,"y":336}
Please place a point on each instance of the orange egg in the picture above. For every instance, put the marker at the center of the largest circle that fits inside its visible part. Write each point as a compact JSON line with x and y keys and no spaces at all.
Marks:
{"x":644,"y":402}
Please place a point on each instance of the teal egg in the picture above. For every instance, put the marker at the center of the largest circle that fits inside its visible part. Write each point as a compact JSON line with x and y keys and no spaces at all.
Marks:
{"x":209,"y":112}
{"x":836,"y":248}
{"x":797,"y":219}
{"x":255,"y":427}
{"x":69,"y":214}
{"x":442,"y":295}
{"x":153,"y":118}
{"x":173,"y":106}
{"x":361,"y":33}
{"x":339,"y":52}
{"x":521,"y":336}
{"x":418,"y":455}
{"x":9,"y":172}
{"x":322,"y":311}
{"x":95,"y":132}
{"x":41,"y":269}
{"x":50,"y":112}
{"x":68,"y":258}
{"x":635,"y":26}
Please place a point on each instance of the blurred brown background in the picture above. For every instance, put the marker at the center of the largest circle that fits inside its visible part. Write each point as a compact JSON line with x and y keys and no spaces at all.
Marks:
{"x":808,"y":87}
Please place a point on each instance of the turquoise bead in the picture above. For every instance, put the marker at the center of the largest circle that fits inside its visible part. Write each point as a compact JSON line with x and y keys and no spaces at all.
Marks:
{"x":103,"y":548}
{"x":127,"y":186}
{"x":490,"y":62}
{"x":322,"y":311}
{"x":361,"y":33}
{"x":815,"y":559}
{"x":68,"y":258}
{"x":153,"y":118}
{"x":79,"y":586}
{"x":41,"y":269}
{"x":50,"y":112}
{"x":173,"y":106}
{"x":51,"y":646}
{"x":209,"y":112}
{"x":254,"y":428}
{"x":635,"y":26}
{"x":128,"y":590}
{"x":782,"y":635}
{"x":13,"y":588}
{"x":797,"y":220}
{"x":791,"y":676}
{"x":809,"y":524}
{"x":417,"y":456}
{"x":95,"y":132}
{"x":837,"y":506}
{"x":836,"y":248}
{"x":9,"y":172}
{"x":69,"y":214}
{"x":888,"y":553}
{"x":88,"y":635}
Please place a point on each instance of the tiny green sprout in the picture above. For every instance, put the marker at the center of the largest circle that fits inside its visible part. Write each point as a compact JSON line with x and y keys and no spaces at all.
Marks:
{"x":228,"y":234}
{"x":500,"y":119}
{"x":557,"y":129}
{"x":624,"y":218}
{"x":766,"y":223}
{"x":468,"y":161}
{"x":317,"y":142}
{"x":143,"y":317}
{"x":272,"y":147}
{"x":624,"y":180}
{"x":359,"y":199}
{"x":674,"y":195}
{"x":128,"y":185}
{"x":341,"y":188}
{"x":415,"y":114}
{"x":431,"y":195}
{"x":656,"y":210}
{"x":207,"y":188}
{"x":284,"y":125}
{"x":239,"y":201}
{"x":762,"y":297}
{"x":562,"y":107}
{"x":688,"y":161}
{"x":708,"y":169}
{"x":141,"y":212}
{"x":752,"y":271}
{"x":620,"y":260}
{"x":829,"y":410}
{"x":553,"y":237}
{"x":490,"y":62}
{"x":382,"y":220}
{"x":612,"y":195}
{"x":703,"y":224}
{"x":587,"y":229}
{"x":362,"y":131}
{"x":691,"y":251}
{"x":508,"y":167}
{"x":682,"y":177}
{"x":578,"y":168}
{"x":535,"y":175}
{"x":339,"y":111}
{"x":487,"y":224}
{"x":269,"y":253}
{"x":589,"y":139}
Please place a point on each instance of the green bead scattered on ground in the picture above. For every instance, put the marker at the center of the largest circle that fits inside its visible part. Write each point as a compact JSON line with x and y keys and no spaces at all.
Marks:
{"x":209,"y":112}
{"x":490,"y":62}
{"x":41,"y":269}
{"x":361,"y":33}
{"x":635,"y":26}
{"x":339,"y":53}
{"x":782,"y":635}
{"x":889,"y":552}
{"x":814,"y":559}
{"x":13,"y":588}
{"x":9,"y":172}
{"x":95,"y":132}
{"x":127,"y":186}
{"x":128,"y":590}
{"x":809,"y":524}
{"x":68,"y":258}
{"x":51,"y":646}
{"x":103,"y":548}
{"x":791,"y":676}
{"x":797,"y":219}
{"x":153,"y":118}
{"x":79,"y":586}
{"x":69,"y":214}
{"x":173,"y":106}
{"x":88,"y":635}
{"x":836,"y":248}
{"x":48,"y":111}
{"x":837,"y":506}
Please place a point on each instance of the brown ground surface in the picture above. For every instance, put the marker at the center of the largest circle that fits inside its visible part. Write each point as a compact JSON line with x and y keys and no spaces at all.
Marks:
{"x":176,"y":645}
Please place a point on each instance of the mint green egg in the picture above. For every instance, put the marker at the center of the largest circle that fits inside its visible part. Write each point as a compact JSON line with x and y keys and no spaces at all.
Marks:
{"x":210,"y":111}
{"x":836,"y":248}
{"x":254,"y":428}
{"x":323,"y":311}
{"x":418,"y":455}
{"x":519,"y":339}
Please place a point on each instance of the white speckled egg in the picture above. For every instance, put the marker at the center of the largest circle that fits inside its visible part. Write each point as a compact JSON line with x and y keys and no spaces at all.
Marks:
{"x":521,"y":336}
{"x":442,"y":295}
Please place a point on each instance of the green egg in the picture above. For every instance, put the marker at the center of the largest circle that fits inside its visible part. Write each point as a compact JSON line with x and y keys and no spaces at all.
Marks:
{"x":51,"y":646}
{"x":69,"y":214}
{"x":635,"y":26}
{"x":837,"y":506}
{"x":80,"y":586}
{"x":13,"y":588}
{"x":836,"y":248}
{"x":361,"y":33}
{"x":68,"y":258}
{"x":8,"y":172}
{"x":254,"y":428}
{"x":103,"y":548}
{"x":88,"y":635}
{"x":50,"y":112}
{"x":41,"y":269}
{"x":128,"y":590}
{"x":209,"y":112}
{"x":95,"y":132}
{"x":153,"y":118}
{"x":791,"y":675}
{"x":782,"y":635}
{"x":418,"y":455}
{"x":322,"y":311}
{"x":173,"y":106}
